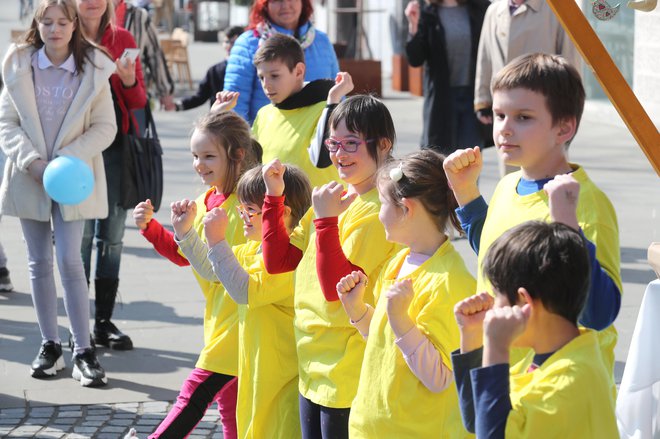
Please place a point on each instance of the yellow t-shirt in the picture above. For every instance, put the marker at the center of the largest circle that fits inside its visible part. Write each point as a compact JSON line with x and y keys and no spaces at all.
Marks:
{"x":569,"y":395}
{"x":220,"y":352}
{"x":330,"y":350}
{"x":286,"y":134}
{"x":595,"y":215}
{"x":391,"y":402}
{"x":267,"y":403}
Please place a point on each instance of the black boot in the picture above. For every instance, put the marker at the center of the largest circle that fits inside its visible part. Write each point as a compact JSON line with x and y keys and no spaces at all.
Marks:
{"x":105,"y":332}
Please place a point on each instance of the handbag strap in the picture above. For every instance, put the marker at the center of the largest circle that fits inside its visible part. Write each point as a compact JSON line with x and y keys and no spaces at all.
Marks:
{"x":149,"y":121}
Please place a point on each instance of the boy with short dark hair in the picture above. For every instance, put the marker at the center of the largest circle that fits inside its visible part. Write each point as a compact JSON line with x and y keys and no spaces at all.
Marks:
{"x":540,"y":274}
{"x":538,"y":101}
{"x":288,"y":125}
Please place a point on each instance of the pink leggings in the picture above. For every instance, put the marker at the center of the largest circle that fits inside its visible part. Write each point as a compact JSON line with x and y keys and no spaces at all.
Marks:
{"x":197,"y":393}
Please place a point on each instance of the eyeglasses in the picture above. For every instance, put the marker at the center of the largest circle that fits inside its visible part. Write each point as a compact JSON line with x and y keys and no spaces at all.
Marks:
{"x":348,"y":145}
{"x":246,"y":213}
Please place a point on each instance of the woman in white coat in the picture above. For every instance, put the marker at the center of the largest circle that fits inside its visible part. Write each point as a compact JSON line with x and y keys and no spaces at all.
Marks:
{"x":56,"y":102}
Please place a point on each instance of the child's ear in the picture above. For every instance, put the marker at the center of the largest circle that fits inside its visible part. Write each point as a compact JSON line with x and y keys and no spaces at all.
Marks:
{"x":384,"y":148}
{"x":567,"y":129}
{"x":408,"y":205}
{"x":524,"y":298}
{"x":287,"y":217}
{"x":299,"y":70}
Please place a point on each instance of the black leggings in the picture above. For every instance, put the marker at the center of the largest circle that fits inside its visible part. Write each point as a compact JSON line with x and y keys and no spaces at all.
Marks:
{"x":319,"y":422}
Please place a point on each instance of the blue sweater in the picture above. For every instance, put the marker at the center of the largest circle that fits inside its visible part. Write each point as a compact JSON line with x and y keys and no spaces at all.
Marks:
{"x":241,"y":75}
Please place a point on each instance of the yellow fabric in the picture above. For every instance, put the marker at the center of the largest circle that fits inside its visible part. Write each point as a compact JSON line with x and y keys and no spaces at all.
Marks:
{"x":568,"y":395}
{"x":267,"y":405}
{"x":286,"y":134}
{"x":330,"y":350}
{"x":220,"y":352}
{"x":596,"y":217}
{"x":391,"y":402}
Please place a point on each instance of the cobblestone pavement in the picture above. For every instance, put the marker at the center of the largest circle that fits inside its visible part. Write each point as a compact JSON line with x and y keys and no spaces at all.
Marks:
{"x":99,"y":421}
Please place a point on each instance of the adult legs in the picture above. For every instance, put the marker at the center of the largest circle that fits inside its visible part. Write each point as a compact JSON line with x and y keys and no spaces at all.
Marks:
{"x":109,"y":233}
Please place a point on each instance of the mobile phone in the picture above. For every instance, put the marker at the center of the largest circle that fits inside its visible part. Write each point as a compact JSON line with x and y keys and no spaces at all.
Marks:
{"x":131,"y":54}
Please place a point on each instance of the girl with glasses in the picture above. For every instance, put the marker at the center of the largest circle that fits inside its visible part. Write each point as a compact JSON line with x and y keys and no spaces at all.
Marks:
{"x":339,"y":235}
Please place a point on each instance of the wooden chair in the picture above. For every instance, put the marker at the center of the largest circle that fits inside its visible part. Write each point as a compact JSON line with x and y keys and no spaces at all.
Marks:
{"x":175,"y":50}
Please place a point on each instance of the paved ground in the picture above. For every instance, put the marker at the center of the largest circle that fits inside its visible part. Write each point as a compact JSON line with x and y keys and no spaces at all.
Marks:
{"x":162,"y":309}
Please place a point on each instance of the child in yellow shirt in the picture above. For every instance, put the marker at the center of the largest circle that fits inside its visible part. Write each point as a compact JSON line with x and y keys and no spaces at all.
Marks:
{"x":405,"y":387}
{"x":267,"y":403}
{"x":339,"y":235}
{"x":540,"y":274}
{"x":538,"y":101}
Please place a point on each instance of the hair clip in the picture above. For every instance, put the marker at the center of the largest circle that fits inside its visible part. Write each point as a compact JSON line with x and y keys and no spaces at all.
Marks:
{"x":396,"y":174}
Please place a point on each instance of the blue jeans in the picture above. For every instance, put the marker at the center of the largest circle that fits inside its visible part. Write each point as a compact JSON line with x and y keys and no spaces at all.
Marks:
{"x":109,"y":231}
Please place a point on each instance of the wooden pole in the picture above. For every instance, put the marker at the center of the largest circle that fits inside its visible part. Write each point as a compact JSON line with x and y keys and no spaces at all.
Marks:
{"x":615,"y":86}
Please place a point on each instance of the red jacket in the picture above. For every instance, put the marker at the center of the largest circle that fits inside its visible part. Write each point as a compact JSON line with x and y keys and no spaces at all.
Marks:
{"x":115,"y":40}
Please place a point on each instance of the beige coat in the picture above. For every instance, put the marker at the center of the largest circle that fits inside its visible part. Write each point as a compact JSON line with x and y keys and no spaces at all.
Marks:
{"x":532,"y":28}
{"x":88,"y":128}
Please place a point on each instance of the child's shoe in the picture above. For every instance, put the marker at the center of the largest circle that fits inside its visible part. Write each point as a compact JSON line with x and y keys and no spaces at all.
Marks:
{"x":132,"y":434}
{"x":48,"y":361}
{"x":87,"y":370}
{"x":5,"y":282}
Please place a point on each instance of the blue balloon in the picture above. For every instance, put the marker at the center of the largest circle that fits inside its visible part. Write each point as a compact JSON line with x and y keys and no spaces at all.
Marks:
{"x":68,"y":180}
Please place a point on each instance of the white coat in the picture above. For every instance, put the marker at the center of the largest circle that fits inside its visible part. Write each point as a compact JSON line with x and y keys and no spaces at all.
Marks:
{"x":88,"y":128}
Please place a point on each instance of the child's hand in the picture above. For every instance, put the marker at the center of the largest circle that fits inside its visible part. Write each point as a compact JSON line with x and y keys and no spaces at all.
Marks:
{"x":351,"y":294}
{"x":215,"y":226}
{"x":462,"y":168}
{"x":273,"y":174}
{"x":563,"y":193}
{"x":328,"y":202}
{"x":143,"y":213}
{"x":343,"y":86}
{"x":501,"y":327}
{"x":399,"y":297}
{"x":183,"y":216}
{"x":470,"y":314}
{"x":225,"y":101}
{"x":36,"y":170}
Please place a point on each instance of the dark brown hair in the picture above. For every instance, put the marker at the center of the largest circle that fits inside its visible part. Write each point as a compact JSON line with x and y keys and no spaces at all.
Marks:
{"x":280,"y":47}
{"x":549,"y":260}
{"x":297,"y":190}
{"x":232,"y":134}
{"x":424,"y":179}
{"x":369,"y":117}
{"x":81,"y":48}
{"x":550,"y":75}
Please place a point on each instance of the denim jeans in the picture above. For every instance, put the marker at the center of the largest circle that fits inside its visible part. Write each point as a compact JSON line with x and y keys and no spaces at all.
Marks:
{"x":109,"y":231}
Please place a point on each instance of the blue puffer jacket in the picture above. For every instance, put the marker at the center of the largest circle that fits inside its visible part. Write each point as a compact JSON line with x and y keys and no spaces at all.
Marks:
{"x":241,"y":75}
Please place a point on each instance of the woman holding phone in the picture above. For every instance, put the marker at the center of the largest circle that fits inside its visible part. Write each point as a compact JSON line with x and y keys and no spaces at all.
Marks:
{"x":128,"y":93}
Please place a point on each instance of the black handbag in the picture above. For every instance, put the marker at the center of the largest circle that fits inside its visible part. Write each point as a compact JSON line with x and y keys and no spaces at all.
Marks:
{"x":142,"y":170}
